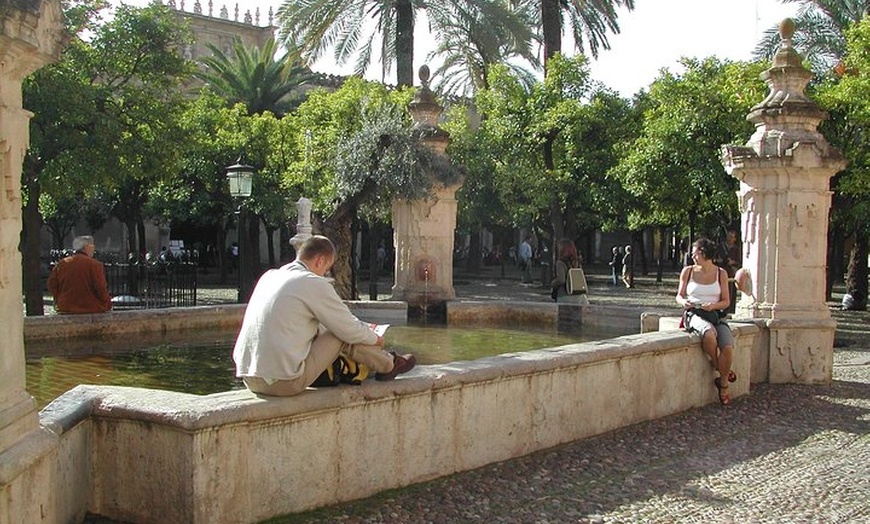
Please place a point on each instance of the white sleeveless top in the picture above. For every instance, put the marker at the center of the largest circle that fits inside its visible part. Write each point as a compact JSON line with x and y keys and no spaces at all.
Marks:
{"x":703,"y":293}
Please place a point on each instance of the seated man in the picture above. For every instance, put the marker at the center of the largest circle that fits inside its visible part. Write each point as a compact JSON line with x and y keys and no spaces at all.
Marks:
{"x":296,"y":325}
{"x":78,"y":282}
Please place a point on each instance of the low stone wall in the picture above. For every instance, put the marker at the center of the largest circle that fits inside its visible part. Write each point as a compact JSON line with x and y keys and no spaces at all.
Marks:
{"x":161,"y":457}
{"x":625,"y":319}
{"x":150,"y":322}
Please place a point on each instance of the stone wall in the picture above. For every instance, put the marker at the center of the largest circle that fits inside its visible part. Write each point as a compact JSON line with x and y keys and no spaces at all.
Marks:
{"x":156,"y":456}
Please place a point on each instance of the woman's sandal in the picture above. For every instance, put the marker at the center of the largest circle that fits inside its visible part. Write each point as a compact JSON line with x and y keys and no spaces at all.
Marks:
{"x":724,"y":397}
{"x":732,"y":376}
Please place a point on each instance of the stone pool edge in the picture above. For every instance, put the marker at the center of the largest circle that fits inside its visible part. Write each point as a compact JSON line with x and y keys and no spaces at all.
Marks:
{"x":153,"y":456}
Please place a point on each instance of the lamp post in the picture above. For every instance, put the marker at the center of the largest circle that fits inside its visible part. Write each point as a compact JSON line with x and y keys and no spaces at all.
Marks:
{"x":240,"y":177}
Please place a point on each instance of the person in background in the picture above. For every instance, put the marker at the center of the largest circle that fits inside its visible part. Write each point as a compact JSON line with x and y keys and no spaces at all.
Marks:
{"x":296,"y":325}
{"x":78,"y":282}
{"x":568,"y":258}
{"x":615,"y":265}
{"x":628,"y":268}
{"x":703,"y":292}
{"x":526,"y":259}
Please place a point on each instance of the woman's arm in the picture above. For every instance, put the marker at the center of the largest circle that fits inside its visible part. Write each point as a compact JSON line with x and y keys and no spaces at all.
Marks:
{"x":681,"y":297}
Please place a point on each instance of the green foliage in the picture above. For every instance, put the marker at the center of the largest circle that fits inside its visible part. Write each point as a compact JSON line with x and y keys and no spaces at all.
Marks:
{"x":819,"y":32}
{"x":469,"y":44}
{"x":255,"y":78}
{"x":847,"y":99}
{"x":105,"y":112}
{"x":674,"y":165}
{"x":326,"y":121}
{"x":344,"y":26}
{"x":564,"y":116}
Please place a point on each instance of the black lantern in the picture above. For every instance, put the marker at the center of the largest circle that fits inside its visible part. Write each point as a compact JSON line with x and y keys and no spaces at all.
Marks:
{"x":240,"y":177}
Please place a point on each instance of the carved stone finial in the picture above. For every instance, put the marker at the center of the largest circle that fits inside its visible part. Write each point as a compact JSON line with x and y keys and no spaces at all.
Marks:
{"x":236,"y":18}
{"x":248,"y":19}
{"x":210,"y":8}
{"x":425,"y":109}
{"x":224,"y":13}
{"x":786,"y":29}
{"x":271,"y":16}
{"x":197,"y":8}
{"x":257,"y":17}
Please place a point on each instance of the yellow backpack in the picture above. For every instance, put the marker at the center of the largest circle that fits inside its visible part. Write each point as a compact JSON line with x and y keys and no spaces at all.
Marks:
{"x":342,"y":371}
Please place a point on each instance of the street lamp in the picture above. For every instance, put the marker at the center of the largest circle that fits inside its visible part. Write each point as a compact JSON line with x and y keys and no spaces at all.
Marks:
{"x":240,"y":177}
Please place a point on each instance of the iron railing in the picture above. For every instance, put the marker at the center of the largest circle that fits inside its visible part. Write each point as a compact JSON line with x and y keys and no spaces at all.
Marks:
{"x":159,"y":282}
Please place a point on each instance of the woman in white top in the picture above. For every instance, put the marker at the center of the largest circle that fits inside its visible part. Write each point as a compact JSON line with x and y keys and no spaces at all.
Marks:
{"x":704,"y":286}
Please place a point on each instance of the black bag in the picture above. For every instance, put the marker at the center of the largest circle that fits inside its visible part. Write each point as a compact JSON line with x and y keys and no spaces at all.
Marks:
{"x":713,"y":317}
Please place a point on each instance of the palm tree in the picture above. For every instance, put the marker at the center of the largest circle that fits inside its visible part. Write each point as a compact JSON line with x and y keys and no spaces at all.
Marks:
{"x":590,"y":21}
{"x":819,"y":28}
{"x":315,"y":26}
{"x":255,"y":77}
{"x":469,"y":48}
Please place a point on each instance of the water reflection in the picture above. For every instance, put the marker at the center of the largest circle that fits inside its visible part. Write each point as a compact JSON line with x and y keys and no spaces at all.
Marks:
{"x":202,"y":364}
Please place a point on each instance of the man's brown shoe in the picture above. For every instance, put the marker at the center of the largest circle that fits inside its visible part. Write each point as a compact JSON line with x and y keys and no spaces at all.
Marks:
{"x":401,"y":364}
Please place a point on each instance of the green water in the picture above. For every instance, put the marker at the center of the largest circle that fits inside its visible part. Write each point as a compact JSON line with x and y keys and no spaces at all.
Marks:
{"x":207,"y":367}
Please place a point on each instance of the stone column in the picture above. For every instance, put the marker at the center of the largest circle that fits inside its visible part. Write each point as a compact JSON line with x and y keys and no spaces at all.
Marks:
{"x":784,"y":172}
{"x":303,"y":223}
{"x":32,"y":35}
{"x":423,"y":229}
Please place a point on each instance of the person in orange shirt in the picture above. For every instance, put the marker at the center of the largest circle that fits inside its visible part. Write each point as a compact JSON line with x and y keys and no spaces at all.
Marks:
{"x":78,"y":282}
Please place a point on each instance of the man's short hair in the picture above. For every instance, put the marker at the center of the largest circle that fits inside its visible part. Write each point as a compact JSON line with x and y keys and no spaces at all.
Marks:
{"x":79,"y":243}
{"x":314,"y":247}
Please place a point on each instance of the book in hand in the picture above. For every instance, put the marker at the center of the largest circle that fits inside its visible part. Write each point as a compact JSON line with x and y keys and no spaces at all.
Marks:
{"x":379,"y":329}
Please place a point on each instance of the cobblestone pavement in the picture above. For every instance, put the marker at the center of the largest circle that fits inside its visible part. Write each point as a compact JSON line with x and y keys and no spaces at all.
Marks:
{"x":783,"y":454}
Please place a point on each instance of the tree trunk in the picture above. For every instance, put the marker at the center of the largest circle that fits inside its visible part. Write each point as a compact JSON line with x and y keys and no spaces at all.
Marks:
{"x":639,"y":251}
{"x":661,"y":258}
{"x":404,"y":43}
{"x":472,"y":263}
{"x":856,"y":277}
{"x":551,"y":24}
{"x":557,"y":215}
{"x":338,"y":230}
{"x":834,"y":272}
{"x":140,"y":237}
{"x":132,"y":281}
{"x":31,"y":265}
{"x":270,"y":242}
{"x":285,"y":250}
{"x":374,"y":268}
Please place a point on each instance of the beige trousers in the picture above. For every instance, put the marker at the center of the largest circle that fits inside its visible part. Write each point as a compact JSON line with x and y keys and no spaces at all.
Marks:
{"x":324,"y":350}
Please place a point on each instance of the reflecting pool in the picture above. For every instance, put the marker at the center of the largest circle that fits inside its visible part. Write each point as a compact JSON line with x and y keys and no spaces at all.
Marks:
{"x":203,"y":364}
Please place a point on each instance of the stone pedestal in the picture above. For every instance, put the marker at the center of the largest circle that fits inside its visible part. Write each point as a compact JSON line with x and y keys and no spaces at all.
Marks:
{"x":423,"y":238}
{"x":784,"y":172}
{"x":423,"y":229}
{"x":303,"y":223}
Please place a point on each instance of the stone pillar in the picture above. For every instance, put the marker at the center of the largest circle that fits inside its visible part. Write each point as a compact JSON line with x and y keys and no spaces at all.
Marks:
{"x":32,"y":35}
{"x":784,"y":172}
{"x":423,"y":229}
{"x":303,"y":223}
